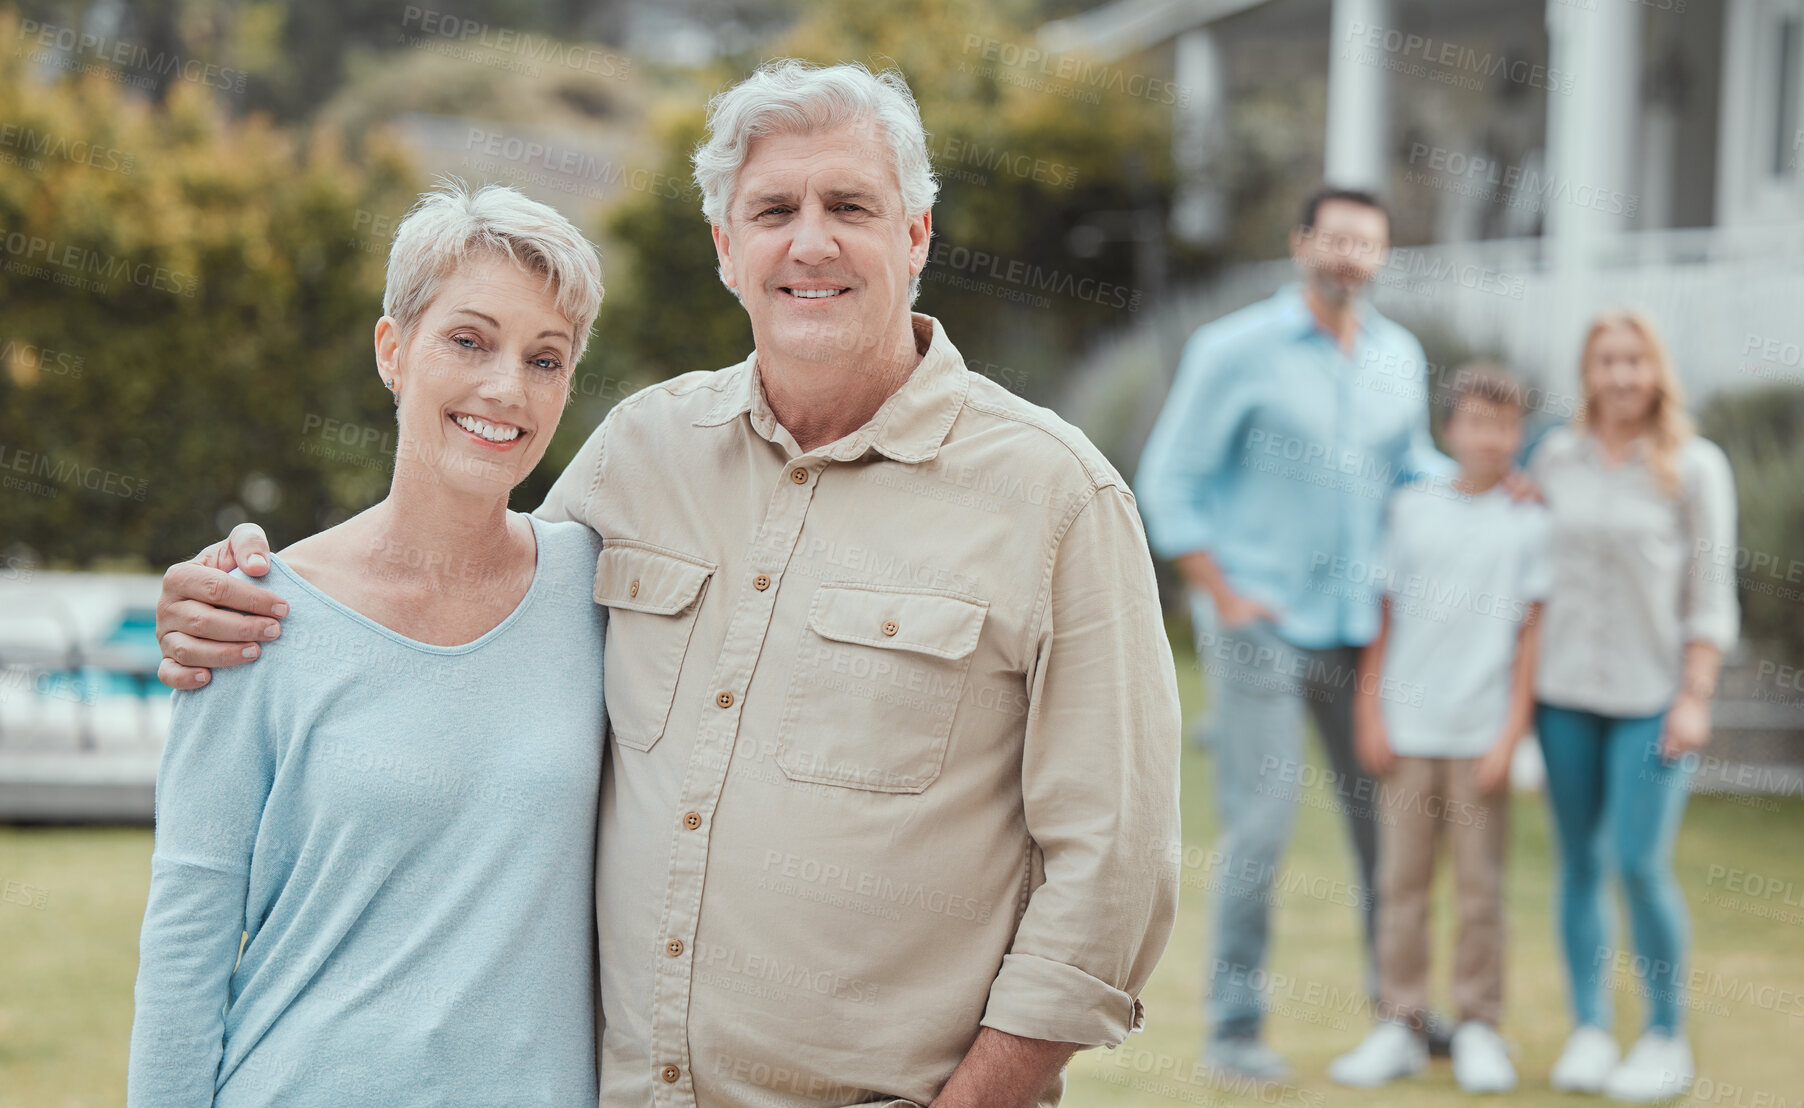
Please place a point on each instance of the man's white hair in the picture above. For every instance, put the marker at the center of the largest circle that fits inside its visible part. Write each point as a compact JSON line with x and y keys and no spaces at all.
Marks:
{"x":791,"y":97}
{"x":451,"y":225}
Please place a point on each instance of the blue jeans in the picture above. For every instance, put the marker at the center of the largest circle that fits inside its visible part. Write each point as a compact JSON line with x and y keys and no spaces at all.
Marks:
{"x":1258,"y":686}
{"x":1616,"y":802}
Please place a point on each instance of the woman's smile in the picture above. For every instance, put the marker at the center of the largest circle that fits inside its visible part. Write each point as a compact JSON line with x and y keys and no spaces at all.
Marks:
{"x":490,"y":433}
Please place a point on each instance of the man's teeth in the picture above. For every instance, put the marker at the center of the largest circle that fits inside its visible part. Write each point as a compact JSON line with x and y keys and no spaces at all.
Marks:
{"x":489,"y":431}
{"x":814,"y":294}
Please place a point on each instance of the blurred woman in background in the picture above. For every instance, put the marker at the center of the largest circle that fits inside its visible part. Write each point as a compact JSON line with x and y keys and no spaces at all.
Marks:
{"x":1641,"y":610}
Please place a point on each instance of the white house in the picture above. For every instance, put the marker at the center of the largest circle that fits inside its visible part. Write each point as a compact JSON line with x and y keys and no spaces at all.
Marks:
{"x":1552,"y":157}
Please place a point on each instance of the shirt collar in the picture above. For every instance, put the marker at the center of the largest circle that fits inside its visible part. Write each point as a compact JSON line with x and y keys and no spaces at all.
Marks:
{"x":1639,"y":448}
{"x":910,"y":426}
{"x":1296,"y":310}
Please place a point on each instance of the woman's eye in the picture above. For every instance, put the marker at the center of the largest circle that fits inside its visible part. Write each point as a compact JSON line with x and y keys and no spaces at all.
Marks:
{"x":465,"y":341}
{"x":548,"y":363}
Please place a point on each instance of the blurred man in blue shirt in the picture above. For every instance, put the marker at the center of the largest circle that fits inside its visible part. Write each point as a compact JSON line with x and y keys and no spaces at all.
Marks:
{"x":1265,"y":481}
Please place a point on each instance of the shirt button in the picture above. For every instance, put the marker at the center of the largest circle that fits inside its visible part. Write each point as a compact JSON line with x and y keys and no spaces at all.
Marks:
{"x":761,"y":582}
{"x":670,"y":1074}
{"x":725,"y":700}
{"x":634,"y":591}
{"x":674,"y":946}
{"x":799,"y":475}
{"x":889,"y":627}
{"x":692,"y":820}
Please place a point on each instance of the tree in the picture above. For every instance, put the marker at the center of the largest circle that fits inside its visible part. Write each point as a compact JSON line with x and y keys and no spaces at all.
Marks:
{"x":188,"y":312}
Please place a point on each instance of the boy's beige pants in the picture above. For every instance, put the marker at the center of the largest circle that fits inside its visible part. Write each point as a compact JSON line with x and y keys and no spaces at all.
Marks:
{"x":1423,"y":802}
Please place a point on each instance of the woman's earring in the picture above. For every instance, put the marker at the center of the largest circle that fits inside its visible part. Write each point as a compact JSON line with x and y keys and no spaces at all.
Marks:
{"x":389,"y":382}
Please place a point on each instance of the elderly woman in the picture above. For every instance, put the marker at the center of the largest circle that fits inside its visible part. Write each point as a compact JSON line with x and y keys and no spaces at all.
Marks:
{"x":374,"y":858}
{"x":1636,"y":625}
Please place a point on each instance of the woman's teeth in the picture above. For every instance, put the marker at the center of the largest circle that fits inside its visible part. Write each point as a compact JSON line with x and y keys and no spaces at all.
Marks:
{"x":493,"y":432}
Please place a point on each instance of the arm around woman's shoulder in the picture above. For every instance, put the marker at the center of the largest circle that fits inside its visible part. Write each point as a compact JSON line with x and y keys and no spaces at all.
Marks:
{"x":212,"y":787}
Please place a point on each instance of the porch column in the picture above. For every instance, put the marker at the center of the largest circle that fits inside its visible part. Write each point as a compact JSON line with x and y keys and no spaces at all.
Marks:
{"x":1593,"y":122}
{"x":1199,"y":212}
{"x":1358,"y":97}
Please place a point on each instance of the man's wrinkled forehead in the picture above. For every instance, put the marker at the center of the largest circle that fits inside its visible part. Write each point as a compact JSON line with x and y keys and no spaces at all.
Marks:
{"x":852,"y":157}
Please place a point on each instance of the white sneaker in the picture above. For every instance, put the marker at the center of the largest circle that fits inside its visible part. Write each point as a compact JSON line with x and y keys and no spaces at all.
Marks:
{"x":1389,"y":1052}
{"x":1586,"y":1062}
{"x":1245,"y":1056}
{"x":1481,"y":1063}
{"x":1657,"y":1068}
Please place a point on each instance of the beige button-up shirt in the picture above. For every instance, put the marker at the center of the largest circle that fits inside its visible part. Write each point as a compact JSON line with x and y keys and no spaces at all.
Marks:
{"x":895,"y":740}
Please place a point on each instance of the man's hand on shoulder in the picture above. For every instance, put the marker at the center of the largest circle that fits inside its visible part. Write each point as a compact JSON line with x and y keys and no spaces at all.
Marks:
{"x":207,"y":619}
{"x":1522,"y":487}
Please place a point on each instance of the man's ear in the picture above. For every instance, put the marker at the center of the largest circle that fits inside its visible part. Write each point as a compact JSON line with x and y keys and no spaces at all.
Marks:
{"x":723,"y":250}
{"x":920,"y":237}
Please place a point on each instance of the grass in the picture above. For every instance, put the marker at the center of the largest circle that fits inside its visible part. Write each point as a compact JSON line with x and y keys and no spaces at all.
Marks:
{"x":1745,"y":1011}
{"x":66,"y":967}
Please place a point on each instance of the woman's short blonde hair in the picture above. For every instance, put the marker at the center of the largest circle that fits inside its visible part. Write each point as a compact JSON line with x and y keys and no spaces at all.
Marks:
{"x":452,"y":224}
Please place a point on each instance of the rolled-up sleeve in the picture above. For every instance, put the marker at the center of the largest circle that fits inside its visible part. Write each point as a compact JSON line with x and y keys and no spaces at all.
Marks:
{"x":1099,"y":783}
{"x":1711,"y":613}
{"x":1187,"y":449}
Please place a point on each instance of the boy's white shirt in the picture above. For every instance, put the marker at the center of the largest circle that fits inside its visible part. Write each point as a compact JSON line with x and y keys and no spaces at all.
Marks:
{"x":1461,"y":572}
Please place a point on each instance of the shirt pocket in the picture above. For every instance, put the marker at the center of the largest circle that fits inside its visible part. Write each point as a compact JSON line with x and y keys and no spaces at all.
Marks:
{"x":653,"y":597}
{"x":878,"y":677}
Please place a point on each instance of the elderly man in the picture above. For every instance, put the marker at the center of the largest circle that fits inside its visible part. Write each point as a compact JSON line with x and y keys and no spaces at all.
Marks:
{"x":890,"y":809}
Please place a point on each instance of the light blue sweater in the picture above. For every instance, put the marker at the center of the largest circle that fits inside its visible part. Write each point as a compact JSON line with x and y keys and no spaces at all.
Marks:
{"x":406,"y":833}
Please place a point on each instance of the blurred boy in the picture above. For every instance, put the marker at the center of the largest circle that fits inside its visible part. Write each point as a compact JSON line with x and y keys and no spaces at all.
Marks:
{"x":1445,"y":692}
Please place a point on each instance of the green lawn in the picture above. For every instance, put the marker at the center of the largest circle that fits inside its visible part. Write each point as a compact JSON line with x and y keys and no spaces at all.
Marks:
{"x":1746,"y":1011}
{"x":73,"y":900}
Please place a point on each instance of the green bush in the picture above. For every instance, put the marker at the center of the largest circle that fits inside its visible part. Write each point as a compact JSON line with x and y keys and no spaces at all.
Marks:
{"x":188,"y":301}
{"x":1762,"y":431}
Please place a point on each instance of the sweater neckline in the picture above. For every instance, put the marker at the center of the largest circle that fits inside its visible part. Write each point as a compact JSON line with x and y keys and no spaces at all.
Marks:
{"x":415,"y":644}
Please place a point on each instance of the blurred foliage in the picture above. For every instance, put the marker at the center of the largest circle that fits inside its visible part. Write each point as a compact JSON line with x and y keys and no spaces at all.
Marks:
{"x":667,"y":312}
{"x":225,"y":290}
{"x":1762,"y":431}
{"x":281,"y":57}
{"x":218,"y":367}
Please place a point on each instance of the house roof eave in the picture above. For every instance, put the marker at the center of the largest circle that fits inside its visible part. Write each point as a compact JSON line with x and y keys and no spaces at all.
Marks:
{"x":1126,"y":27}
